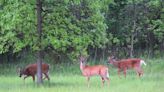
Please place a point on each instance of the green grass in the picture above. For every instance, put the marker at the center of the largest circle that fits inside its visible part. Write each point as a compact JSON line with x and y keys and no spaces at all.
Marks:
{"x":68,"y":78}
{"x":77,"y":83}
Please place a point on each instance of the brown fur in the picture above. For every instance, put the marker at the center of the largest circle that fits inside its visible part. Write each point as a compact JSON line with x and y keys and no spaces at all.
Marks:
{"x":31,"y":70}
{"x":124,"y":64}
{"x":89,"y":71}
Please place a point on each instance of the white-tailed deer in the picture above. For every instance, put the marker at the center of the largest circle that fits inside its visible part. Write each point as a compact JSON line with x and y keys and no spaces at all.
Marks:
{"x":89,"y":71}
{"x":31,"y":70}
{"x":124,"y":64}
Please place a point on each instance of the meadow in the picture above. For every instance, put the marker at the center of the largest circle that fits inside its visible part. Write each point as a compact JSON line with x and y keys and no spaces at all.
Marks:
{"x":68,"y":78}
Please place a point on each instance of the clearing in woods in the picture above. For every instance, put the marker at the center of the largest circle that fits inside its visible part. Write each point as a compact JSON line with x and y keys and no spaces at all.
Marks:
{"x":68,"y":78}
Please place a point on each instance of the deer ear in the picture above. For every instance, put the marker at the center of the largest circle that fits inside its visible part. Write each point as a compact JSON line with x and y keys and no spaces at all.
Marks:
{"x":83,"y":58}
{"x":111,"y":57}
{"x":86,"y":58}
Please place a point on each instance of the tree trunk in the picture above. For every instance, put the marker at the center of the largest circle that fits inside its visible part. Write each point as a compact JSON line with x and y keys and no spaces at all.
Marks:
{"x":103,"y":54}
{"x":39,"y":29}
{"x":39,"y":68}
{"x":95,"y":56}
{"x":131,"y":47}
{"x":133,"y":30}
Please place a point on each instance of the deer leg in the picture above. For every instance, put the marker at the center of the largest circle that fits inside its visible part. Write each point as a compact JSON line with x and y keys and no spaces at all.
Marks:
{"x":125,"y":72}
{"x":33,"y":77}
{"x":138,"y":71}
{"x":46,"y":76}
{"x":108,"y":80}
{"x":25,"y":78}
{"x":88,"y":78}
{"x":107,"y":77}
{"x":103,"y":80}
{"x":119,"y":72}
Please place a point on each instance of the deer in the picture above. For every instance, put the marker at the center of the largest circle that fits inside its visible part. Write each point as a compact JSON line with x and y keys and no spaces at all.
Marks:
{"x":31,"y":70}
{"x":88,"y":71}
{"x":124,"y":64}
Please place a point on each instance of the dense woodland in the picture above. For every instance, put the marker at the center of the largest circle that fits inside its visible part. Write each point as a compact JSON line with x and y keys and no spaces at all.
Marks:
{"x":98,"y":28}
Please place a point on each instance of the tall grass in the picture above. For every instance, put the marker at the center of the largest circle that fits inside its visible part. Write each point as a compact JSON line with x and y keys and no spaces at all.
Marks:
{"x":68,"y":78}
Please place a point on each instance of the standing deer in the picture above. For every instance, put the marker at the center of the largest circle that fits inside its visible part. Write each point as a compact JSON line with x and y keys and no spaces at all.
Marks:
{"x":31,"y":70}
{"x":89,"y":71}
{"x":124,"y":64}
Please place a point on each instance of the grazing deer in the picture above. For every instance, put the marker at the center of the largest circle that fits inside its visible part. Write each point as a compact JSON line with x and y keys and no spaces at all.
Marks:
{"x":31,"y":70}
{"x":124,"y":64}
{"x":89,"y":71}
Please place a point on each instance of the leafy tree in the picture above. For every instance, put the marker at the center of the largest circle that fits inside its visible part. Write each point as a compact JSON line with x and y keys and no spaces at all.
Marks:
{"x":75,"y":25}
{"x":122,"y":19}
{"x":17,"y":26}
{"x":68,"y":26}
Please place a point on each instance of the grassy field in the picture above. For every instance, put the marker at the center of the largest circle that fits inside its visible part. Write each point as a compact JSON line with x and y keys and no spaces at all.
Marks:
{"x":68,"y":78}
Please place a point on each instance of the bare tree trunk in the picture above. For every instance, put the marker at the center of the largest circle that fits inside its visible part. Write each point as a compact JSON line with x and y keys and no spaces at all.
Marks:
{"x":103,"y":54}
{"x":131,"y":47}
{"x":133,"y":30}
{"x":95,"y":56}
{"x":39,"y":28}
{"x":39,"y":68}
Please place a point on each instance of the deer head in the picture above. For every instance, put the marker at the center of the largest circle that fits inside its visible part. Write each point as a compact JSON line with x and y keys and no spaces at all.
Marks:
{"x":20,"y":71}
{"x":111,"y":59}
{"x":82,"y":60}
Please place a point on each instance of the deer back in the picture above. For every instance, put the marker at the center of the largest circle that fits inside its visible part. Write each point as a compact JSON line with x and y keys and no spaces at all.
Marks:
{"x":31,"y":69}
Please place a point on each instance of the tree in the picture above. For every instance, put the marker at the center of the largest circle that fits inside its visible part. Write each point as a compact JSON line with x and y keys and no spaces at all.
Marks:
{"x":90,"y":26}
{"x":131,"y":25}
{"x":72,"y":26}
{"x":17,"y":26}
{"x":39,"y":29}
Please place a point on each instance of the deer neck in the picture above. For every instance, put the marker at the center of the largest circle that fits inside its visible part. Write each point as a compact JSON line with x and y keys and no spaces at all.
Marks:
{"x":115,"y":63}
{"x":82,"y":66}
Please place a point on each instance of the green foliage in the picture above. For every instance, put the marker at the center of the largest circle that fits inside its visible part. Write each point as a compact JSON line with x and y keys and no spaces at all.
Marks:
{"x":71,"y":27}
{"x":159,"y":32}
{"x":74,"y":26}
{"x":62,"y":28}
{"x":148,"y":23}
{"x":17,"y":25}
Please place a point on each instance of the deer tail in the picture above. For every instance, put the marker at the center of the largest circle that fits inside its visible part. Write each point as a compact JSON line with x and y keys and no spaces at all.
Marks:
{"x":142,"y":62}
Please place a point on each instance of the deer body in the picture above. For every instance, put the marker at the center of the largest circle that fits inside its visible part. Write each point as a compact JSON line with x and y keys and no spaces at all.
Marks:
{"x":89,"y":71}
{"x":31,"y":70}
{"x":124,"y":64}
{"x":94,"y":70}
